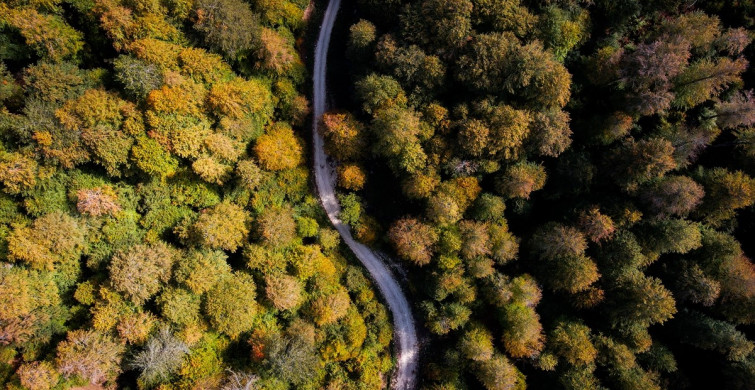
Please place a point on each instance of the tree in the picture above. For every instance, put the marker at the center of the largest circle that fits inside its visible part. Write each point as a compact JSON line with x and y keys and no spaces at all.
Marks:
{"x":230,"y":304}
{"x":199,"y":270}
{"x":228,"y":26}
{"x":596,"y":226}
{"x":503,"y":16}
{"x":570,"y":273}
{"x":523,"y":333}
{"x":135,"y":328}
{"x":377,"y":91}
{"x":447,"y":23}
{"x":161,"y":357}
{"x":561,"y":30}
{"x":344,"y":136}
{"x":224,"y":226}
{"x":704,"y":79}
{"x":276,"y":226}
{"x":140,"y":271}
{"x":98,"y":201}
{"x":284,"y":291}
{"x":212,"y":171}
{"x":445,"y":317}
{"x":638,"y":162}
{"x":733,"y":41}
{"x":488,"y":207}
{"x":47,"y":34}
{"x":32,"y":299}
{"x":18,"y":173}
{"x":351,"y":177}
{"x":473,"y":136}
{"x":138,"y":77}
{"x":239,"y":98}
{"x":328,"y":309}
{"x":92,"y":355}
{"x":476,"y":239}
{"x":398,"y":133}
{"x":498,"y":63}
{"x":104,"y":125}
{"x":671,"y":236}
{"x":476,"y":344}
{"x":571,"y":340}
{"x":179,"y":306}
{"x":641,"y":300}
{"x":413,"y":240}
{"x":737,"y":111}
{"x":648,"y":72}
{"x":704,"y":332}
{"x":725,"y":192}
{"x":550,"y":133}
{"x":279,"y":148}
{"x":521,"y":179}
{"x":361,"y":35}
{"x":498,"y":374}
{"x":553,"y":241}
{"x":50,"y":240}
{"x":292,"y":358}
{"x":275,"y":53}
{"x":150,"y":157}
{"x":504,"y":245}
{"x":39,"y":375}
{"x":249,"y":174}
{"x":672,"y":195}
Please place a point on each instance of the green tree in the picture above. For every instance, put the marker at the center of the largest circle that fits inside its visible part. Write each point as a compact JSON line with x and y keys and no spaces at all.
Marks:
{"x":230,"y":304}
{"x":228,"y":26}
{"x":224,"y":226}
{"x":707,"y":333}
{"x":47,"y":34}
{"x":293,"y":359}
{"x":523,"y":333}
{"x":179,"y":306}
{"x":398,"y":133}
{"x":199,"y":270}
{"x":476,"y":343}
{"x":725,"y":192}
{"x":138,"y":77}
{"x":498,"y":374}
{"x":572,"y":341}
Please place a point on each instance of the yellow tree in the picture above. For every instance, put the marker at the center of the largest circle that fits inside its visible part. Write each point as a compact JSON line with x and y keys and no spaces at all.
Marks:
{"x":279,"y":148}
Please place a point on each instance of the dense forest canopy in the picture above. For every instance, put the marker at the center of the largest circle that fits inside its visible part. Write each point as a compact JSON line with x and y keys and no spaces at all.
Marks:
{"x":570,"y":184}
{"x":157,"y":226}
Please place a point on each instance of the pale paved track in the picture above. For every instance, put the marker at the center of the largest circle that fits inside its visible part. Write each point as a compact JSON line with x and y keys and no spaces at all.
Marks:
{"x":406,"y":343}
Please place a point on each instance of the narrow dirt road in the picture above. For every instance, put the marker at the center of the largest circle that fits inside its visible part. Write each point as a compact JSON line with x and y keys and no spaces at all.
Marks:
{"x":403,"y":322}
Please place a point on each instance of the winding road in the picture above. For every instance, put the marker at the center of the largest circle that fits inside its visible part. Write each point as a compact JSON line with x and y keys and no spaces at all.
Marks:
{"x":407,"y":347}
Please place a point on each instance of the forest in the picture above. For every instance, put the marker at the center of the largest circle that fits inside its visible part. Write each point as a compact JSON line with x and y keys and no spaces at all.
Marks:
{"x":569,"y":184}
{"x":157,"y":224}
